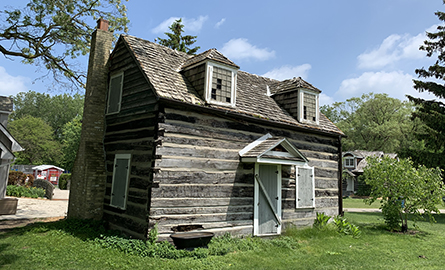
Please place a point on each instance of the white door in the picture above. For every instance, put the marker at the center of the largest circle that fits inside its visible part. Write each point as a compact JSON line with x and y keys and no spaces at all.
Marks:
{"x":267,"y":216}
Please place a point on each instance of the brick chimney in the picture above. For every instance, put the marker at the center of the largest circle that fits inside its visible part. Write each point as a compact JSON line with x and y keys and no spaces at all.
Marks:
{"x":88,"y":178}
{"x":5,"y":110}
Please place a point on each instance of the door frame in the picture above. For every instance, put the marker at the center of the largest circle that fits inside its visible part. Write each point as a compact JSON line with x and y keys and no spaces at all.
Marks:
{"x":256,"y":199}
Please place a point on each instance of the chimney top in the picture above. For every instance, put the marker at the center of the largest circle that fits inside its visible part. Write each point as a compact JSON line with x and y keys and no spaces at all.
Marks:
{"x":102,"y":24}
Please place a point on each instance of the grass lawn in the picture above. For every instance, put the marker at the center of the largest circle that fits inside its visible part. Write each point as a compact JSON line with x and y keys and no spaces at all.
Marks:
{"x":359,"y":203}
{"x":56,"y":246}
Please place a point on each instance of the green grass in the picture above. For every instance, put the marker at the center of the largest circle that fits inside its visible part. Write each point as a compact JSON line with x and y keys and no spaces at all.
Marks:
{"x":62,"y":245}
{"x":359,"y":203}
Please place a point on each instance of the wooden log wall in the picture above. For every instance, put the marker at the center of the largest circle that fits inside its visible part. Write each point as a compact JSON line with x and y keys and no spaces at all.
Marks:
{"x":201,"y":182}
{"x":131,"y":131}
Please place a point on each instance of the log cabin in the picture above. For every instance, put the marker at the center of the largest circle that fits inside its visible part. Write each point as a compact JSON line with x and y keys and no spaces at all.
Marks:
{"x":193,"y":143}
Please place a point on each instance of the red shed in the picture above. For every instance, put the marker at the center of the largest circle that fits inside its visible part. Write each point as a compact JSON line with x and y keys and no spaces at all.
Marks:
{"x":48,"y":172}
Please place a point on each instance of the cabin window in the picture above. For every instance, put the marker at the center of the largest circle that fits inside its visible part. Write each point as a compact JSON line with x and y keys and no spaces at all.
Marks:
{"x":119,"y":188}
{"x":305,"y":191}
{"x":310,"y":107}
{"x":115,"y":93}
{"x":349,"y":162}
{"x":220,"y":85}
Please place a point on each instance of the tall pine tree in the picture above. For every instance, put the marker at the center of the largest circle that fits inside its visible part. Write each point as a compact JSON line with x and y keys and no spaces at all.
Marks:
{"x":177,"y":41}
{"x":432,"y":112}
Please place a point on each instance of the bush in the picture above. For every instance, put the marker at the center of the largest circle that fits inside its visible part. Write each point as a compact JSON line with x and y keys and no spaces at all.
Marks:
{"x":47,"y":186}
{"x":63,"y":180}
{"x":20,"y":179}
{"x":20,"y":191}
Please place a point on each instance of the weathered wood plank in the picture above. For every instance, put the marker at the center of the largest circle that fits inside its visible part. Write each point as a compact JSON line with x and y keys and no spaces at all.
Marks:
{"x":189,"y":162}
{"x":164,"y":211}
{"x":202,"y":191}
{"x":202,"y":218}
{"x":126,"y":135}
{"x":197,"y":152}
{"x":158,"y":202}
{"x":201,"y":177}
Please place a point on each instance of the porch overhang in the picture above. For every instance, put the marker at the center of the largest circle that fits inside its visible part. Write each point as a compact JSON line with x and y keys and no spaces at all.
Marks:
{"x":272,"y":150}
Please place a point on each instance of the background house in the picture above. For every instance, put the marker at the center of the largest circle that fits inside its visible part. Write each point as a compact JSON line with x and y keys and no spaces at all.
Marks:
{"x":8,"y":145}
{"x":354,"y":163}
{"x":50,"y":173}
{"x":192,"y":142}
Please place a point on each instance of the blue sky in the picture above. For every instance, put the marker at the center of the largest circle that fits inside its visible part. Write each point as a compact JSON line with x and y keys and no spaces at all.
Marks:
{"x":345,"y":47}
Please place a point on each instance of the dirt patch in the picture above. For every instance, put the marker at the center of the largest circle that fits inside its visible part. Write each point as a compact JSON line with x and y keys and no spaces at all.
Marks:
{"x":16,"y":223}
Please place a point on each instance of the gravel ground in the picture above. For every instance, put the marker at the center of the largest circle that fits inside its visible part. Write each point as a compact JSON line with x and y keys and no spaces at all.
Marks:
{"x":37,"y":210}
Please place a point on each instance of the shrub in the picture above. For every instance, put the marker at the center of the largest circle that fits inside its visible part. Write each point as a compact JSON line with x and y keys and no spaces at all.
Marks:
{"x":46,"y":185}
{"x":17,"y":178}
{"x":321,"y":220}
{"x":344,"y":227}
{"x":20,"y":191}
{"x":63,"y":180}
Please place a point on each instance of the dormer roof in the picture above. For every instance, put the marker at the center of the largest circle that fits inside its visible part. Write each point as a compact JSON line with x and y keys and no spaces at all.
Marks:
{"x":211,"y":54}
{"x":293,"y":84}
{"x":163,"y":68}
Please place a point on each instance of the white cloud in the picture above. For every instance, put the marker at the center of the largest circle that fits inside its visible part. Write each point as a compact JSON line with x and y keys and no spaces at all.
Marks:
{"x":393,"y":48}
{"x":288,"y":72}
{"x":221,"y":22}
{"x":396,"y":84}
{"x":240,"y":49}
{"x":192,"y":25}
{"x":325,"y":99}
{"x":10,"y":85}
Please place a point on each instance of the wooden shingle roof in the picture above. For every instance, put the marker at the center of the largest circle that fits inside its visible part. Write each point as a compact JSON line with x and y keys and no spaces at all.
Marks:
{"x":211,"y":54}
{"x":162,"y":66}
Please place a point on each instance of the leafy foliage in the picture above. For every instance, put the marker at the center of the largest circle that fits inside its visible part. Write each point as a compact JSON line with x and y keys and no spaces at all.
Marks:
{"x":373,"y":122}
{"x":36,"y":137}
{"x":63,"y":180}
{"x":17,"y":178}
{"x":345,"y":227}
{"x":403,"y":189}
{"x":52,"y":33}
{"x":21,"y":191}
{"x":432,"y":112}
{"x":177,"y":41}
{"x":70,"y":141}
{"x":321,"y":220}
{"x":56,"y":110}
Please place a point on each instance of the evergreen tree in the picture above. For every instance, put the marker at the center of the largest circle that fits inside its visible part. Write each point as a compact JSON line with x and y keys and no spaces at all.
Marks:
{"x":177,"y":41}
{"x":432,"y":112}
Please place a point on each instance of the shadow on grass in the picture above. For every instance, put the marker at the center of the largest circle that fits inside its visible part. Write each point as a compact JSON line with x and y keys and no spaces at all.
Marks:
{"x":82,"y":229}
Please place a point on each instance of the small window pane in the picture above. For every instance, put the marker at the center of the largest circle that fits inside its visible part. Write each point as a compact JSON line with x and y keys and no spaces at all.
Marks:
{"x":115,"y":94}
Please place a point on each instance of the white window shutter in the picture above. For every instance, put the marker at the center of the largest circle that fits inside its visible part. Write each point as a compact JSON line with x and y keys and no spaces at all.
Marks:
{"x":121,"y":172}
{"x":305,"y":192}
{"x":115,"y":94}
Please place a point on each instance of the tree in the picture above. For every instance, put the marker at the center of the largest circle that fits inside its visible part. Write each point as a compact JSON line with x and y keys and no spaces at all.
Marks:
{"x":177,"y":41}
{"x":56,"y":110}
{"x":432,"y":112}
{"x":403,"y":189}
{"x":51,"y":33}
{"x":36,"y":137}
{"x":373,"y":122}
{"x":71,"y":139}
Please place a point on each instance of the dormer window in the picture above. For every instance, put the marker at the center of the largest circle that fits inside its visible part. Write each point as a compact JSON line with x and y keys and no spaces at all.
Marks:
{"x":349,"y":162}
{"x":308,"y":107}
{"x":220,"y":84}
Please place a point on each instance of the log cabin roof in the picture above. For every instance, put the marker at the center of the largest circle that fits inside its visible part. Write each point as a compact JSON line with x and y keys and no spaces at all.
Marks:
{"x":162,"y":67}
{"x":211,"y":54}
{"x":291,"y":84}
